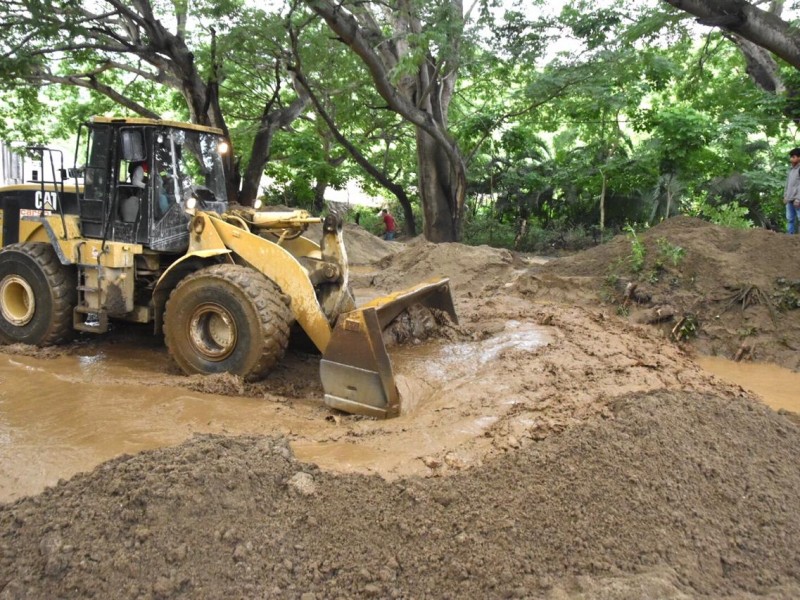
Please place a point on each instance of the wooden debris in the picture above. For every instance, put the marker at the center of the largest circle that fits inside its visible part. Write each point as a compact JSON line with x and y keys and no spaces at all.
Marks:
{"x":634,"y":294}
{"x":745,"y":352}
{"x":657,"y":314}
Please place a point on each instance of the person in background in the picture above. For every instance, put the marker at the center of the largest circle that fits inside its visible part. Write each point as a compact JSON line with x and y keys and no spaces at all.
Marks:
{"x":388,"y":224}
{"x":791,"y":193}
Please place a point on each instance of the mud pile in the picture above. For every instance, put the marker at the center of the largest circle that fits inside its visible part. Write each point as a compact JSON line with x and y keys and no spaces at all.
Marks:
{"x":739,"y":290}
{"x":672,"y":494}
{"x":565,"y":451}
{"x":362,"y":246}
{"x":473,"y":271}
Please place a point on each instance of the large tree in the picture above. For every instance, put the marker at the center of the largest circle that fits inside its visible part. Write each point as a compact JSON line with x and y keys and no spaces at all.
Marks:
{"x":112,"y":46}
{"x":411,"y":51}
{"x":377,"y":142}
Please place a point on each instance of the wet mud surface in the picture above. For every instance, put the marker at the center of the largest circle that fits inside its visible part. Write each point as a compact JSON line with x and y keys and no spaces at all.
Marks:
{"x":554,"y":448}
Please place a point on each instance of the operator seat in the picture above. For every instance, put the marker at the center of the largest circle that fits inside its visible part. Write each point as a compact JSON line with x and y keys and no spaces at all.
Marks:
{"x":129,"y":204}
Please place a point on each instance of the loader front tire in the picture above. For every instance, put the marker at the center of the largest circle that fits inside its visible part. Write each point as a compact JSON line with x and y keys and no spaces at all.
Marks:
{"x":227,"y":318}
{"x":37,"y":296}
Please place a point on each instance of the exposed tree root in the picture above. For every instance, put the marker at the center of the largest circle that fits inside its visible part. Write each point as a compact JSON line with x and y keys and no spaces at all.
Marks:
{"x":747,"y":295}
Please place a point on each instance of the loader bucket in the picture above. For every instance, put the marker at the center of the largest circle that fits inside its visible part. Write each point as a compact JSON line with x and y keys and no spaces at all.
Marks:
{"x":355,"y":369}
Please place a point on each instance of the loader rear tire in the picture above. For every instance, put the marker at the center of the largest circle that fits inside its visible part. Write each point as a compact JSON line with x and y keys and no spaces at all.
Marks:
{"x":37,"y":296}
{"x":227,"y":319}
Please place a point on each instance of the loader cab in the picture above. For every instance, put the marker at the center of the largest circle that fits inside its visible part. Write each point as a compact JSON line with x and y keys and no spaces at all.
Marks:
{"x":142,"y":175}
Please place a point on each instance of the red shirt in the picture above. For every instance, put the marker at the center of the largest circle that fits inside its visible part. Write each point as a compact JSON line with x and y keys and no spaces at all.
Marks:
{"x":388,"y":222}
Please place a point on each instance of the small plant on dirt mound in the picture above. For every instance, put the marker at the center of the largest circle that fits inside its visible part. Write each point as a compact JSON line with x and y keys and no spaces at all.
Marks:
{"x":668,"y":253}
{"x":687,"y":327}
{"x":744,"y":332}
{"x":638,"y":250}
{"x":732,"y":216}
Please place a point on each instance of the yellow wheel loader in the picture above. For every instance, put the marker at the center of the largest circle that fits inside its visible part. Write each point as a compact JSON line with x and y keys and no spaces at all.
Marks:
{"x":143,"y":232}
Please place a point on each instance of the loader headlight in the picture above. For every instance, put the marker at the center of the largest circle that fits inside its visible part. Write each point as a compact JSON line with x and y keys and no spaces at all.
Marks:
{"x":191,"y":203}
{"x":258,"y":204}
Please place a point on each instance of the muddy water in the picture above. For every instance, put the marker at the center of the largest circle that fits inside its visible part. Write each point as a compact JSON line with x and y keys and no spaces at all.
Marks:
{"x":67,"y":414}
{"x":434,"y":381}
{"x":438,"y":363}
{"x":777,"y":387}
{"x":63,"y":415}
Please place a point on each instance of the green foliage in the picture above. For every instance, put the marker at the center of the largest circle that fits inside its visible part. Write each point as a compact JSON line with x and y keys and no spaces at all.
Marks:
{"x":669,"y":253}
{"x":484,"y":228}
{"x":641,"y":112}
{"x":727,"y":215}
{"x":638,"y":253}
{"x":294,"y":194}
{"x":368,"y":218}
{"x":686,"y":328}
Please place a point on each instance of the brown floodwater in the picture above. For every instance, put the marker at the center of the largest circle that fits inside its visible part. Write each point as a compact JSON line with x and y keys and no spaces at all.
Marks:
{"x":67,"y":413}
{"x":436,"y":376}
{"x":777,"y":387}
{"x":62,"y":415}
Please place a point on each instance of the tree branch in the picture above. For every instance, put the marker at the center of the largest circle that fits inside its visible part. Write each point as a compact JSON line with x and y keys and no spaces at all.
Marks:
{"x":754,"y":24}
{"x":346,"y":27}
{"x":92,"y":84}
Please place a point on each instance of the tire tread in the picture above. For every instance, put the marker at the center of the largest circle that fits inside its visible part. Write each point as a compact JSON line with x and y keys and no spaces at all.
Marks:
{"x":266,"y":297}
{"x":61,"y":285}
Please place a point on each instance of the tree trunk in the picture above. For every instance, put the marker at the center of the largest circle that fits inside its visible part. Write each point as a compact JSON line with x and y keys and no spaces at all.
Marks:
{"x":380,"y":176}
{"x":133,"y":40}
{"x":441,"y":190}
{"x":759,"y":34}
{"x":422,"y":100}
{"x":259,"y":156}
{"x":603,"y":204}
{"x":669,"y":198}
{"x":761,"y":67}
{"x":251,"y":178}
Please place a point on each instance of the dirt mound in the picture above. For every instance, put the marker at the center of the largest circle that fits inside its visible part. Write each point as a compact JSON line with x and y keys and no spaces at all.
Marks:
{"x":731,"y":292}
{"x":472,"y":270}
{"x":712,"y":253}
{"x":560,"y":452}
{"x":674,"y":494}
{"x":362,"y":246}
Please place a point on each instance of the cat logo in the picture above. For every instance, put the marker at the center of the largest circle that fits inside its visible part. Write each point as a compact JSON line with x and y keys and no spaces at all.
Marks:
{"x":46,"y":200}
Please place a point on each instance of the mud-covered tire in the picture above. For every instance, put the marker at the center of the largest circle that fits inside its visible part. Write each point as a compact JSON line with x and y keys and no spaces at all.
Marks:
{"x":37,"y":296}
{"x":227,"y":319}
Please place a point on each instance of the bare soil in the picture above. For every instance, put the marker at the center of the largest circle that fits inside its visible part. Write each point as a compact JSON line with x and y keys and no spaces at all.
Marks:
{"x":740,"y":287}
{"x":563,"y":445}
